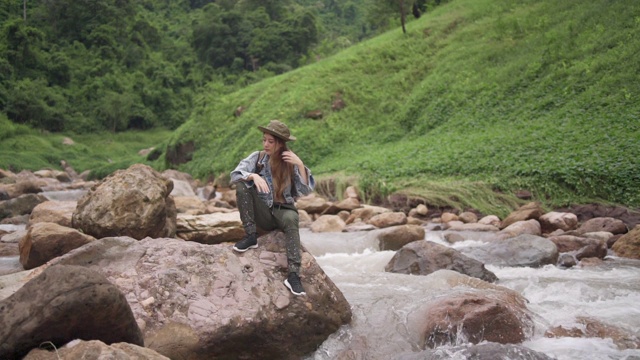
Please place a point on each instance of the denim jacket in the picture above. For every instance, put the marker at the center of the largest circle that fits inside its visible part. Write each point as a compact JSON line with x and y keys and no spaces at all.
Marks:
{"x":247,"y":167}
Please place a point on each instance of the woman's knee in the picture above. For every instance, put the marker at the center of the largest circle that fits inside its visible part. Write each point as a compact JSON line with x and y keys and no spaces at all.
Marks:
{"x":290,"y":219}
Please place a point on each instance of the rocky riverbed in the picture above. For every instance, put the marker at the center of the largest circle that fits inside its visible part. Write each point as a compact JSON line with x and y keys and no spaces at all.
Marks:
{"x":152,"y":252}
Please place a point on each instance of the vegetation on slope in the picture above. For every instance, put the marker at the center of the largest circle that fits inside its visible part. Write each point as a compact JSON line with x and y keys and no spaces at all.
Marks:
{"x":487,"y":94}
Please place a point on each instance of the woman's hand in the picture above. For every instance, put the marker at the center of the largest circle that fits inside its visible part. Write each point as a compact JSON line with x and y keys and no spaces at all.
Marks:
{"x":261,"y":184}
{"x":291,"y":158}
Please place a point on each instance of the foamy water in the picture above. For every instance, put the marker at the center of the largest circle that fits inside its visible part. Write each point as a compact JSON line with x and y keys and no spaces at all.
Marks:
{"x":609,"y":293}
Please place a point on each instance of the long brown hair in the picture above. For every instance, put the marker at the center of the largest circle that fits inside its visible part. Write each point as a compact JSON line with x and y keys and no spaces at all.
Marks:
{"x":280,"y":170}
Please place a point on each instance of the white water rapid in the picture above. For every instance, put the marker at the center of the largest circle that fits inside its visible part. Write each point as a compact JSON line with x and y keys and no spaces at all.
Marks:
{"x":381,"y":301}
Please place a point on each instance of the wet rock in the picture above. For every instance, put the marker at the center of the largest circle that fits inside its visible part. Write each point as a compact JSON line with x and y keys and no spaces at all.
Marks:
{"x":426,"y":257}
{"x":523,"y":250}
{"x":581,"y":247}
{"x":395,"y":237}
{"x":473,"y":317}
{"x":624,"y":339}
{"x":65,"y":303}
{"x":484,"y":351}
{"x":134,"y":202}
{"x":567,"y":260}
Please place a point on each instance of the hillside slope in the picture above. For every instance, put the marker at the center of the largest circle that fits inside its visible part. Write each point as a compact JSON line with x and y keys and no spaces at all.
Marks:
{"x":534,"y":94}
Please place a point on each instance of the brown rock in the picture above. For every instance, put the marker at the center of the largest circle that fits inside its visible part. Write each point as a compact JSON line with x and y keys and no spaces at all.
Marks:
{"x":487,"y":316}
{"x":608,"y":224}
{"x":214,"y":228}
{"x":594,"y":328}
{"x":629,"y":244}
{"x":553,"y":221}
{"x":204,"y":301}
{"x":133,"y":202}
{"x":532,"y":210}
{"x":426,"y":257}
{"x":58,"y":212}
{"x":95,"y":349}
{"x":395,"y":237}
{"x":65,"y":303}
{"x":46,"y":241}
{"x":388,"y":219}
{"x":21,"y":205}
{"x":328,"y":223}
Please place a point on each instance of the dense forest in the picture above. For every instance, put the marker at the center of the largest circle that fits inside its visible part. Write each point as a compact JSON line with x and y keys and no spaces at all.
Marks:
{"x":92,"y":65}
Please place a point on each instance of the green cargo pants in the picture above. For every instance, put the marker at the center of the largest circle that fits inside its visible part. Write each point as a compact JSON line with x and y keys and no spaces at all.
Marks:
{"x":255,"y":213}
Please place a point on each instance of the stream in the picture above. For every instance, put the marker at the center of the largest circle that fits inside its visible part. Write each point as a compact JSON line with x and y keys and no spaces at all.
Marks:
{"x":381,"y":301}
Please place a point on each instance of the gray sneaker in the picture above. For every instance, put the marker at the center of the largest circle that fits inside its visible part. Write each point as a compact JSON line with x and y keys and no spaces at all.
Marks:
{"x":247,"y":242}
{"x":294,"y":284}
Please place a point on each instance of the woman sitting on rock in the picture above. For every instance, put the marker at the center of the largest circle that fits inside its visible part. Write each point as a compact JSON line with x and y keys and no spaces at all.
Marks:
{"x":267,"y":183}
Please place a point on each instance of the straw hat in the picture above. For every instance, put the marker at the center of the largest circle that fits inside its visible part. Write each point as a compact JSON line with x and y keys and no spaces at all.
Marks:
{"x":278,"y":129}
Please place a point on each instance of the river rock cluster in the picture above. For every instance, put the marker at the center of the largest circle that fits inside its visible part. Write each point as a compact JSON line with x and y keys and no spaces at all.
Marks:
{"x":139,"y":265}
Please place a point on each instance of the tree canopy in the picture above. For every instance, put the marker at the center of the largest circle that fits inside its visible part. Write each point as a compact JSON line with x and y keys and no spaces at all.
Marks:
{"x":88,"y":65}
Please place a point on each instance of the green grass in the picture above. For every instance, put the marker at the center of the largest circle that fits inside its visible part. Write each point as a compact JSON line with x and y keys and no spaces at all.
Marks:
{"x":24,"y":149}
{"x":495,"y":94}
{"x":478,"y":99}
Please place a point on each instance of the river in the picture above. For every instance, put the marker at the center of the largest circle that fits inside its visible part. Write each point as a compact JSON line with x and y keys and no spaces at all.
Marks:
{"x":381,"y":301}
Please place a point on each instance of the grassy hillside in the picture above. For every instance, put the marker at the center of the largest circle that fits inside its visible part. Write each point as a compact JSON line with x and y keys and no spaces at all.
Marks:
{"x":22,"y":148}
{"x":479,"y":94}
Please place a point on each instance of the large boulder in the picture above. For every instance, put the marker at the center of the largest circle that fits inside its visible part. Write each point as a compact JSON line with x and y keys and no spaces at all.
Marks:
{"x":134,"y":202}
{"x":523,"y":250}
{"x":475,"y":317}
{"x":61,"y":304}
{"x":426,"y":257}
{"x":629,"y":244}
{"x":196,"y":301}
{"x":46,"y":241}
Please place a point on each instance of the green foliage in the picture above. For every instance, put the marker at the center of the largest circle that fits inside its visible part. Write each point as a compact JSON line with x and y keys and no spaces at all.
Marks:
{"x":490,"y":95}
{"x":22,"y":148}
